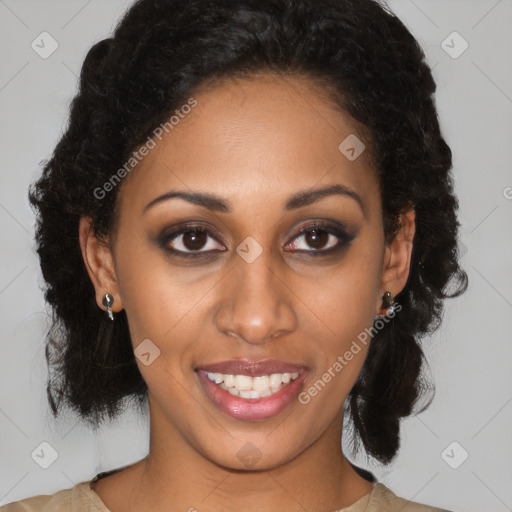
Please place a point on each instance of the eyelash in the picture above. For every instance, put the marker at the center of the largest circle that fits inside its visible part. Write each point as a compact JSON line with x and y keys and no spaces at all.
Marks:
{"x":341,"y":234}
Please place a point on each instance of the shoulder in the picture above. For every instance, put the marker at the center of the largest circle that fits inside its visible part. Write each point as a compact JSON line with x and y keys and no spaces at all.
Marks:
{"x":384,"y":499}
{"x":79,"y":498}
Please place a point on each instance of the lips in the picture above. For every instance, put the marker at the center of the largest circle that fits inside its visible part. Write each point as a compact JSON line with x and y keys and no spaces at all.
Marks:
{"x":253,"y":368}
{"x":252,"y":409}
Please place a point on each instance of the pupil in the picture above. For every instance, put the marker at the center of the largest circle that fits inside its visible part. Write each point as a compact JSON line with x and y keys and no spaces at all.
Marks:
{"x":317,"y":238}
{"x":194,"y":240}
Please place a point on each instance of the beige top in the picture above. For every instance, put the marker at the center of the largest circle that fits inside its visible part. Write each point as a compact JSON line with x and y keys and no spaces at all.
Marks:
{"x":82,"y":498}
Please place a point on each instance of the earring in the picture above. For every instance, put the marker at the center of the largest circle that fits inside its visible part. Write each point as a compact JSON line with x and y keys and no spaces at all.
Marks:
{"x":387,"y":302}
{"x":108,"y":300}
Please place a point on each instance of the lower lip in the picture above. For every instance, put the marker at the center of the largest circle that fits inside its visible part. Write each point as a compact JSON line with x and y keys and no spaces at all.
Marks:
{"x":251,"y":409}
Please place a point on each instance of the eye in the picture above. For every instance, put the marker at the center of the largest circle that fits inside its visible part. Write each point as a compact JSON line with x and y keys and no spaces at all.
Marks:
{"x":188,"y":240}
{"x":322,"y":237}
{"x":197,"y":241}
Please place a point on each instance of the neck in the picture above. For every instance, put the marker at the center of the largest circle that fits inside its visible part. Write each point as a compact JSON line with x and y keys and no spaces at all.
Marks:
{"x":174,"y":472}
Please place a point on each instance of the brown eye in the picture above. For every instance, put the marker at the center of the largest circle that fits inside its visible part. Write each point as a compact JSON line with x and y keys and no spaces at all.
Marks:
{"x":316,"y":238}
{"x":190,"y":241}
{"x":194,"y":240}
{"x":322,"y":238}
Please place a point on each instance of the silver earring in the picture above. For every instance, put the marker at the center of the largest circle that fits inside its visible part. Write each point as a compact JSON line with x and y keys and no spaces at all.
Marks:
{"x":108,"y":300}
{"x":387,"y":302}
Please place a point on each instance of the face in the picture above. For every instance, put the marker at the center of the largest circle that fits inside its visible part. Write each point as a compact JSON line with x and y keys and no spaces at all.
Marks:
{"x":257,"y":275}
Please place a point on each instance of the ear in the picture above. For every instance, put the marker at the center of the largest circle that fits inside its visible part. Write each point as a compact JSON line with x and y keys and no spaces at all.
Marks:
{"x":397,"y":259}
{"x":99,"y":263}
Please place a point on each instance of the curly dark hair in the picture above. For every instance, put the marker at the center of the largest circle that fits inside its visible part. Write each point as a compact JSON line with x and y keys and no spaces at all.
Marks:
{"x":160,"y":52}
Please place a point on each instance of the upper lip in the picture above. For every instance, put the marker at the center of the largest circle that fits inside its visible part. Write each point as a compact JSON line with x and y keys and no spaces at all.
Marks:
{"x":252,"y":368}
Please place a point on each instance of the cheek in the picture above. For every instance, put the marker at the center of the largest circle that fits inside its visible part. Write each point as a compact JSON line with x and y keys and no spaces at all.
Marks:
{"x":346,"y":296}
{"x":166,"y":305}
{"x":344,"y":308}
{"x":160,"y":307}
{"x":154,"y":297}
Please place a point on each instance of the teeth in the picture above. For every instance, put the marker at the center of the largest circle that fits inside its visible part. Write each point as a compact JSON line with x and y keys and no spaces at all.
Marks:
{"x":229,"y":380}
{"x":260,"y":383}
{"x":275,"y":381}
{"x":252,"y":387}
{"x":249,"y":394}
{"x":243,"y":382}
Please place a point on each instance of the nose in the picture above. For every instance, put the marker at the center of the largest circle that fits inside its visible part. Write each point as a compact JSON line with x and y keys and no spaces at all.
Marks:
{"x":258,"y":303}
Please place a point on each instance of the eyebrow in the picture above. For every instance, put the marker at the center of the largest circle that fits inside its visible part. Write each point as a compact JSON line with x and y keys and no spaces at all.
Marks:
{"x":298,"y":200}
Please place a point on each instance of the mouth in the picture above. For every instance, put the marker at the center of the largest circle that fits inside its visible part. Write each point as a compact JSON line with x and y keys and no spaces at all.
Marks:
{"x":252,"y":390}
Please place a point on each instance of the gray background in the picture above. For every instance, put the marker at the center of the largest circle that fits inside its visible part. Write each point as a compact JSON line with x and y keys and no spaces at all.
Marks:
{"x":470,"y":356}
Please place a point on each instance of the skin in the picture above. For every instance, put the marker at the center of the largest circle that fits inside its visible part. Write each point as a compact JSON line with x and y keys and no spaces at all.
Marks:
{"x":254,"y":143}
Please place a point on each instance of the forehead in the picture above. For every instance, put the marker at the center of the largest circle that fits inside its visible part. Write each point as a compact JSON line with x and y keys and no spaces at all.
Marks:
{"x":253,"y":139}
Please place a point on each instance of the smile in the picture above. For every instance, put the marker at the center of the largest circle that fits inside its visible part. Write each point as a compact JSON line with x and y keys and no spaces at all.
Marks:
{"x":252,"y":390}
{"x":245,"y":386}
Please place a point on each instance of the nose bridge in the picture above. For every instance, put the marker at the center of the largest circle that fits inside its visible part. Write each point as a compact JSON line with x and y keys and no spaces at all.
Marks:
{"x":257,"y":281}
{"x":259,"y":306}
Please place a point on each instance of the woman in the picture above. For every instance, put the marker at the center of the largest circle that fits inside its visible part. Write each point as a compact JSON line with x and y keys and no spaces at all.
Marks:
{"x":250,"y":223}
